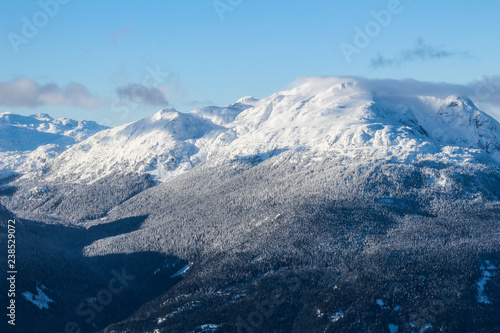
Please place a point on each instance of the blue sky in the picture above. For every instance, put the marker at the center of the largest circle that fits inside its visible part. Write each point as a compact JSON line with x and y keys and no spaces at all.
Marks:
{"x":118,"y":61}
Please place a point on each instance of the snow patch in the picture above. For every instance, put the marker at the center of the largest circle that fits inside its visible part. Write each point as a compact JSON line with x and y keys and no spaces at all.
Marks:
{"x":208,"y":328}
{"x":382,"y":304}
{"x":336,"y":317}
{"x":487,"y":274}
{"x":182,"y":271}
{"x":41,"y":300}
{"x":393,"y":328}
{"x":185,"y":307}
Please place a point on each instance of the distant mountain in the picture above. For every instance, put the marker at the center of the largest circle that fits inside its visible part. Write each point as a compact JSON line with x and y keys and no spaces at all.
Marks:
{"x":323,"y":116}
{"x":27,"y":143}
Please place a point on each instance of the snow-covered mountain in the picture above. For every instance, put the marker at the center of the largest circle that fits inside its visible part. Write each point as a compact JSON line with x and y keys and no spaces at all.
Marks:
{"x":28,"y":142}
{"x":328,"y":207}
{"x":163,"y":145}
{"x":323,"y":116}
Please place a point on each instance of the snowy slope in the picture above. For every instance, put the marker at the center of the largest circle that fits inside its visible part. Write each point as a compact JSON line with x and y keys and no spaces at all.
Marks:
{"x":327,"y":116}
{"x":333,"y":115}
{"x":28,"y":142}
{"x":162,"y":145}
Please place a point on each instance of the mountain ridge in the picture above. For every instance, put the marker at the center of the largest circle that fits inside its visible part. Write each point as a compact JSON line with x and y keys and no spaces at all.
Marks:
{"x":27,"y":143}
{"x":324,"y":115}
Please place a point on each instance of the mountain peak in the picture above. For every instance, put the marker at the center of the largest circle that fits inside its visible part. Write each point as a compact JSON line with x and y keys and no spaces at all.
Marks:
{"x":165,"y":114}
{"x":42,"y":116}
{"x":460,"y":101}
{"x":246,"y":99}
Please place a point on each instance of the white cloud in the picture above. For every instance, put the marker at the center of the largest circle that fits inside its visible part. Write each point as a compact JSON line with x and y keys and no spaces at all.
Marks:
{"x":421,"y":52}
{"x":25,"y":92}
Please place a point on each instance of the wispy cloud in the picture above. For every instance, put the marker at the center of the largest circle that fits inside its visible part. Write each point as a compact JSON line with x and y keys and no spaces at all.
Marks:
{"x":485,"y":92}
{"x":28,"y":93}
{"x":139,"y":94}
{"x":485,"y":89}
{"x":420,"y":52}
{"x":121,"y":33}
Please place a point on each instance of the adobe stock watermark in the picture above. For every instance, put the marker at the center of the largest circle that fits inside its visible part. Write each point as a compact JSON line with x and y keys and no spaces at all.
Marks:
{"x":223,"y":6}
{"x":31,"y":26}
{"x":486,"y":87}
{"x":88,"y":309}
{"x":363,"y":36}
